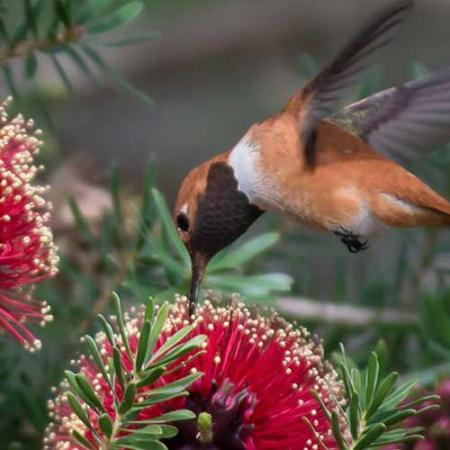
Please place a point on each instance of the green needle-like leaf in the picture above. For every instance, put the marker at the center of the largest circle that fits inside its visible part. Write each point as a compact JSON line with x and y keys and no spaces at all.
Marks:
{"x":121,"y":324}
{"x":230,"y":259}
{"x":373,"y":371}
{"x":30,"y":68}
{"x":151,"y":376}
{"x":120,"y":17}
{"x":81,"y":440}
{"x":381,"y":393}
{"x":78,"y":409}
{"x":169,"y":227}
{"x":114,"y":75}
{"x":89,"y":395}
{"x":335,"y":425}
{"x":106,"y":425}
{"x":128,"y":398}
{"x":354,"y":416}
{"x":142,"y":346}
{"x":117,"y":364}
{"x":97,"y":358}
{"x":370,"y":435}
{"x":156,"y":330}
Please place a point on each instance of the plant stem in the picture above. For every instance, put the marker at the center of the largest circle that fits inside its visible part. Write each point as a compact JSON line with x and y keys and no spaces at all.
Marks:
{"x":24,"y":48}
{"x":345,"y":315}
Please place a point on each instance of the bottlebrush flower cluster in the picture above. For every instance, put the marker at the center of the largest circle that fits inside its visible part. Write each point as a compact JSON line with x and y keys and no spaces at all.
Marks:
{"x":27,"y":251}
{"x":435,"y":422}
{"x":255,"y":392}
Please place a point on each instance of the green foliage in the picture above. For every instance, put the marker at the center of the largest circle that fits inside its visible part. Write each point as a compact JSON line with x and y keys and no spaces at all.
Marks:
{"x":436,"y":321}
{"x":119,"y":429}
{"x":375,"y":407}
{"x":65,"y":29}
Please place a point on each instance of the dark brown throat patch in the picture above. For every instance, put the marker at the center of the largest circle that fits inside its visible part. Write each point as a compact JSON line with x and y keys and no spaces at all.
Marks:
{"x":223,"y":213}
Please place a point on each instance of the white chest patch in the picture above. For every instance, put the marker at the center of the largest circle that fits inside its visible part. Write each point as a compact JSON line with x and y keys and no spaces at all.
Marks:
{"x":244,"y":160}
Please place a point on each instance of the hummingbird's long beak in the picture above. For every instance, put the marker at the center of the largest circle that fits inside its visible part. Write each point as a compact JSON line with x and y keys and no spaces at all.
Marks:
{"x":198,"y":270}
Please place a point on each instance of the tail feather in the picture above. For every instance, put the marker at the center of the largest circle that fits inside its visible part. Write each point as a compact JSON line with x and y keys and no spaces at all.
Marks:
{"x":398,"y":212}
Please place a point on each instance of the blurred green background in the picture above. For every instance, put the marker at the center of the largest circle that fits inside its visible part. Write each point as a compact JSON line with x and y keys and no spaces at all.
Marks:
{"x":217,"y":67}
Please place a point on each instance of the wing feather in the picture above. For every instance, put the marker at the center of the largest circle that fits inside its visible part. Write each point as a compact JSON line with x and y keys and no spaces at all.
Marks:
{"x":407,"y":121}
{"x":321,"y":96}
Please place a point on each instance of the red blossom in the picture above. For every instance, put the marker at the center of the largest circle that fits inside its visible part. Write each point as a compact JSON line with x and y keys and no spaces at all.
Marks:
{"x":27,"y":251}
{"x":259,"y":374}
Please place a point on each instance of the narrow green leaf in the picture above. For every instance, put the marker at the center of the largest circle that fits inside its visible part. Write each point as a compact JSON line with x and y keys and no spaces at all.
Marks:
{"x":128,"y":398}
{"x":78,"y":409}
{"x":142,"y":346}
{"x":89,"y":394}
{"x":169,"y":227}
{"x":30,"y":67}
{"x":370,"y":435}
{"x":117,"y":364}
{"x":354,"y":416}
{"x":107,"y":329}
{"x":120,"y":17}
{"x":97,"y":358}
{"x":172,"y":341}
{"x":130,"y":40}
{"x":172,"y":416}
{"x":81,"y":440}
{"x":62,"y":74}
{"x":178,"y":385}
{"x":112,"y":73}
{"x":151,"y":376}
{"x":30,"y":16}
{"x":149,"y":310}
{"x":337,"y":433}
{"x":323,"y":407}
{"x":373,"y":371}
{"x":168,"y":431}
{"x":180,"y":351}
{"x":381,"y":393}
{"x":158,"y":398}
{"x":156,"y":330}
{"x":31,"y":13}
{"x":147,"y":212}
{"x":81,"y":222}
{"x":10,"y":80}
{"x":62,"y":10}
{"x":399,"y":416}
{"x":400,"y":394}
{"x":73,"y":53}
{"x":121,"y":324}
{"x":230,"y":259}
{"x":90,"y":10}
{"x":106,"y":425}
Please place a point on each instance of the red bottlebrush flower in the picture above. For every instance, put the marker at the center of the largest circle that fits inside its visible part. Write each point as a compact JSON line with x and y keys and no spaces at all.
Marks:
{"x":436,"y":422}
{"x":256,"y":391}
{"x":27,"y":252}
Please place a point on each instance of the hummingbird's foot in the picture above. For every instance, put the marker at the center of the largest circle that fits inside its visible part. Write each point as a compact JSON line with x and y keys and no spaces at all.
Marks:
{"x":353,"y":242}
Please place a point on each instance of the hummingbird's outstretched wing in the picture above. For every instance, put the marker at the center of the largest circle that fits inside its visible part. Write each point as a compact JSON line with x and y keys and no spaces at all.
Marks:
{"x":320,"y":98}
{"x":404,"y":122}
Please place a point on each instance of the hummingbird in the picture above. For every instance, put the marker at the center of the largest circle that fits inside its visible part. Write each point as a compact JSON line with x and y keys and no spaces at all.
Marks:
{"x":337,"y":169}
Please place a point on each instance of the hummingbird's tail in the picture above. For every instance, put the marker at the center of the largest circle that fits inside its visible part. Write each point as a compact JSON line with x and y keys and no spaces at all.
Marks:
{"x":402,"y":212}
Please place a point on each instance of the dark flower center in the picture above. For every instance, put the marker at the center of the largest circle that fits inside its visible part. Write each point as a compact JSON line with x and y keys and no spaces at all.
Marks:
{"x":229,"y":412}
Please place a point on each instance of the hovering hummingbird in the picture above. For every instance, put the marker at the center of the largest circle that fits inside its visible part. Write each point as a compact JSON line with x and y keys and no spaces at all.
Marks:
{"x":330,"y":168}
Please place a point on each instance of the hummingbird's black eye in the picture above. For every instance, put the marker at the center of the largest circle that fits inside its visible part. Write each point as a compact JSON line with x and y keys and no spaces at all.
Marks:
{"x":183,"y":222}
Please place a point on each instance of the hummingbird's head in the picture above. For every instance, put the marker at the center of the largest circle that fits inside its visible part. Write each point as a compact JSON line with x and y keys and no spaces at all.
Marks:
{"x":210,"y":213}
